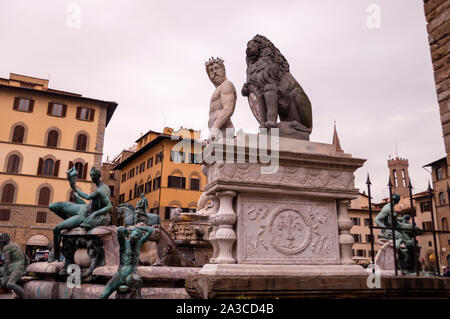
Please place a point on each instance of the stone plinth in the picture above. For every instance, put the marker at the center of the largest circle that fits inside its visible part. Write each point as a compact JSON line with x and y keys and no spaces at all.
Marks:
{"x":312,"y":282}
{"x":280,"y":216}
{"x":108,"y":235}
{"x":292,"y":210}
{"x":158,"y":283}
{"x":191,"y":239}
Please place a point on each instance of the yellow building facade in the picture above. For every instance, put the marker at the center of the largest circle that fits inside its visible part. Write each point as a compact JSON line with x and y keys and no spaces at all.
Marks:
{"x":358,"y":212}
{"x":169,"y":175}
{"x":44,"y":132}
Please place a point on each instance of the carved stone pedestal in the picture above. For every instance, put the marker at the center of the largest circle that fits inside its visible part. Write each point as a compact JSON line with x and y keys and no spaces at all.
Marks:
{"x":285,"y":209}
{"x":89,"y":249}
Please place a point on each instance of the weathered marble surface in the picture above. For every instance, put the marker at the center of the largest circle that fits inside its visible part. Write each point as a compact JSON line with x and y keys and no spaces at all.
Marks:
{"x":108,"y":234}
{"x":39,"y":289}
{"x":173,"y":273}
{"x":45,"y":267}
{"x":282,"y":231}
{"x":385,"y":256}
{"x":304,"y":169}
{"x":288,"y":216}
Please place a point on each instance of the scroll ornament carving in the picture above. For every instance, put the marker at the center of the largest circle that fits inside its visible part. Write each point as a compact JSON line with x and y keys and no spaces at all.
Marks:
{"x":298,"y":176}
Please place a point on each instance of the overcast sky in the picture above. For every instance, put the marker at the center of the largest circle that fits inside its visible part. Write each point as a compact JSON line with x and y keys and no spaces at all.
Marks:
{"x":376,"y":83}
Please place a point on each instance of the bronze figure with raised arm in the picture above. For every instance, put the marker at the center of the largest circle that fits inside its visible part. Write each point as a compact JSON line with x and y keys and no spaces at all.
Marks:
{"x":81,"y":214}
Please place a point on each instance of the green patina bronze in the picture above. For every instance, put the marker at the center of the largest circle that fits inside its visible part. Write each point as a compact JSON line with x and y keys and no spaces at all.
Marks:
{"x":134,"y":215}
{"x":82,"y":214}
{"x":15,"y":263}
{"x":404,"y":240}
{"x":127,"y":278}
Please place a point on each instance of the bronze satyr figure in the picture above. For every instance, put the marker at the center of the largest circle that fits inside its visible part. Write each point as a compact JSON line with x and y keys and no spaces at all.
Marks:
{"x":272,"y":91}
{"x":126,"y":276}
{"x":14,"y":265}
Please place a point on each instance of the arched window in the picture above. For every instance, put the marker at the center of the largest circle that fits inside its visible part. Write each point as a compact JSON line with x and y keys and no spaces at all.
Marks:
{"x":79,"y":168}
{"x":52,"y":139}
{"x":395,"y":178}
{"x":18,"y":134}
{"x":81,"y":142}
{"x":444,"y":224}
{"x":441,"y":198}
{"x":13,"y":164}
{"x":44,"y":196}
{"x":48,"y":167}
{"x":404,"y":177}
{"x":8,"y":193}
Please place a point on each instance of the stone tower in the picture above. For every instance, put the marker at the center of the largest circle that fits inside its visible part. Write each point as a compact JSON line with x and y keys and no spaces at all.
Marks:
{"x":398,"y":173}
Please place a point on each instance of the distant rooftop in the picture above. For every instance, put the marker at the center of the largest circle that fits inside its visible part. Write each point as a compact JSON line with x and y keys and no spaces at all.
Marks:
{"x":25,"y":82}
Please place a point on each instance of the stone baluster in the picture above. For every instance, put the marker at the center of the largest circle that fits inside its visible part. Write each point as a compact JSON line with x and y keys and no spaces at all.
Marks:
{"x":345,"y":238}
{"x":225,"y":236}
{"x":212,"y":240}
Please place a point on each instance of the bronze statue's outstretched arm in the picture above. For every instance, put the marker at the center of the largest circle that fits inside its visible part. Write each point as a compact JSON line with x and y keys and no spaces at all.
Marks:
{"x":148,"y":231}
{"x":122,"y":233}
{"x":382,"y":215}
{"x":90,"y":196}
{"x":78,"y":199}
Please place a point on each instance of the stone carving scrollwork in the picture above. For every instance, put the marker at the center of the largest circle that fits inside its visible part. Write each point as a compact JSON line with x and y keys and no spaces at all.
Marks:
{"x":291,"y":175}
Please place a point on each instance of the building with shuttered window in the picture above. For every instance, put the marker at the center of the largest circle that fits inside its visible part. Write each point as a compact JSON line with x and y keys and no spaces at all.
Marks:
{"x":170,"y":176}
{"x":44,"y":132}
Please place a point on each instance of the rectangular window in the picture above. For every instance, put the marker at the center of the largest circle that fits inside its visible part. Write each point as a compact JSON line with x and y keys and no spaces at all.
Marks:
{"x":111,"y":189}
{"x":157,"y":183}
{"x":366,"y":222}
{"x":41,"y":217}
{"x":23,"y":104}
{"x":177,"y":157}
{"x":150,"y":162}
{"x":439,"y":173}
{"x":356,"y":221}
{"x":368,"y":239}
{"x":130,"y":197}
{"x":124,"y":178}
{"x":56,"y":109}
{"x":112,"y":175}
{"x":360,"y":253}
{"x":427,"y":226}
{"x":196,"y":158}
{"x":425,"y":206}
{"x":195,"y":184}
{"x":357,"y":238}
{"x":159,"y":157}
{"x":148,"y":187}
{"x":142,"y":167}
{"x":4,"y":215}
{"x":85,"y":113}
{"x":176,"y":182}
{"x":132,"y":173}
{"x":167,"y":212}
